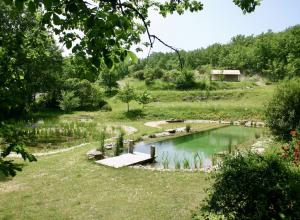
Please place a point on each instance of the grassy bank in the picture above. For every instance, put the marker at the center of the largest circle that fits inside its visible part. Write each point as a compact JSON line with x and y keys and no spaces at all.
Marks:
{"x":67,"y":186}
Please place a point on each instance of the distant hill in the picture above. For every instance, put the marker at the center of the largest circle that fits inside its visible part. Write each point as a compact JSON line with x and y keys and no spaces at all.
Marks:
{"x":271,"y":55}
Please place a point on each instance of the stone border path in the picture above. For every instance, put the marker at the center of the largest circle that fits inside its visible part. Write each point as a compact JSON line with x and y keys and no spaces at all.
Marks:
{"x":247,"y":123}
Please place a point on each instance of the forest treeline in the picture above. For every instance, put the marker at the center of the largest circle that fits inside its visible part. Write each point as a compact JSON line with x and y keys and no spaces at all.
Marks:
{"x":271,"y":55}
{"x":35,"y":75}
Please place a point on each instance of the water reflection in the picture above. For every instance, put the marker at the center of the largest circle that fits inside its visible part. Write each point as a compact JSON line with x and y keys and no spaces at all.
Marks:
{"x":198,"y":149}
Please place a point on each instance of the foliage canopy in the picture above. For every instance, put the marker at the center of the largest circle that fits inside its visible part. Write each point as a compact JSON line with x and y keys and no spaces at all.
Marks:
{"x":283,"y":111}
{"x":255,"y":187}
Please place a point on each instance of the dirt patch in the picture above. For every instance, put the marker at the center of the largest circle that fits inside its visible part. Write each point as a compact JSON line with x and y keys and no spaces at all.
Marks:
{"x":10,"y":187}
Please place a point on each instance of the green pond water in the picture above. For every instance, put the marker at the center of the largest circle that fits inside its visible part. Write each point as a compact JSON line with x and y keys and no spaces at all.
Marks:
{"x":203,"y":146}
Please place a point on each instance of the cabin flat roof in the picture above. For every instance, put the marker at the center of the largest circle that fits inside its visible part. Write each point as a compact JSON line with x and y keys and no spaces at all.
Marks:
{"x":225,"y":72}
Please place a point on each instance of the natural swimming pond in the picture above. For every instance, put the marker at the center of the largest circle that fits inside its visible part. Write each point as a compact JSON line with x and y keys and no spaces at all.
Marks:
{"x":198,"y":149}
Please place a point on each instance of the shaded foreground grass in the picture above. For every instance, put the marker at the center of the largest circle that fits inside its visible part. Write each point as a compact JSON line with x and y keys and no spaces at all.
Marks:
{"x":67,"y":186}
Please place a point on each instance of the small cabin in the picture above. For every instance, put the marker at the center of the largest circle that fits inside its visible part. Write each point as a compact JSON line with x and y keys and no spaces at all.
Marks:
{"x":225,"y":75}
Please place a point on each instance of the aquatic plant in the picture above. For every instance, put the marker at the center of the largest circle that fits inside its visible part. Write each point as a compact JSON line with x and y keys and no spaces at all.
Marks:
{"x":177,"y":163}
{"x":165,"y":160}
{"x":119,"y":143}
{"x":198,"y":162}
{"x":214,"y":160}
{"x":186,"y":163}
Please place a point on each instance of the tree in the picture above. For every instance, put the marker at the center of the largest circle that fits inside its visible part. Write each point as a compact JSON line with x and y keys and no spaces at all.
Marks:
{"x":256,"y":187}
{"x":109,"y":27}
{"x":144,"y":98}
{"x":13,"y":140}
{"x":109,"y":79}
{"x":69,"y":101}
{"x":126,"y":95}
{"x":29,"y":61}
{"x":29,"y":64}
{"x":283,"y":111}
{"x":79,"y":67}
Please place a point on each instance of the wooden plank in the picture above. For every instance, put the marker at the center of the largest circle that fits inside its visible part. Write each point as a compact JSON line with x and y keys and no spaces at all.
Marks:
{"x":125,"y":160}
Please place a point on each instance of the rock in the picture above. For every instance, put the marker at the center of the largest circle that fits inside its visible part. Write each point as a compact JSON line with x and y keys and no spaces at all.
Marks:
{"x":182,"y":129}
{"x":174,"y":120}
{"x":248,"y":124}
{"x":226,"y":122}
{"x":95,"y":154}
{"x":236,"y":123}
{"x":258,"y":150}
{"x":152,"y":136}
{"x":260,"y":124}
{"x":171,"y":131}
{"x":109,"y":146}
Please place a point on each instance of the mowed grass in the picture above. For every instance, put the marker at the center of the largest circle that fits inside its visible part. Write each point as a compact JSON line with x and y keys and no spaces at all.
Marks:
{"x":68,"y":186}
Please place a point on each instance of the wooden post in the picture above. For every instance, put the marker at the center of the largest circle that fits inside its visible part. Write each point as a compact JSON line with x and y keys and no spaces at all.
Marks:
{"x":152,"y":151}
{"x":130,"y":147}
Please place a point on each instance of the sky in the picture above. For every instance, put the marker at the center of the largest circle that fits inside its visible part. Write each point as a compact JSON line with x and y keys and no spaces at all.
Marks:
{"x":218,"y":22}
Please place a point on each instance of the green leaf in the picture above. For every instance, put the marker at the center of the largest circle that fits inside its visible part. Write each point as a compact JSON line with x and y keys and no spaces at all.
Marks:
{"x":48,"y":4}
{"x":31,"y":7}
{"x":56,"y":19}
{"x":8,"y":2}
{"x":108,"y":62}
{"x":46,"y":18}
{"x":19,"y":4}
{"x":68,"y":44}
{"x":133,"y":57}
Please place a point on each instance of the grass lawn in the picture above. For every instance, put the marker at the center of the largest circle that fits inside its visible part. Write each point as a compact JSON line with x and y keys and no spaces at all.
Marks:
{"x":67,"y":186}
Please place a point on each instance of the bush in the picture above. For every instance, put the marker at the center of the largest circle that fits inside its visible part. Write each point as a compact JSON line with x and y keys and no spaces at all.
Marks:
{"x":144,"y":98}
{"x":69,"y":101}
{"x":169,"y":76}
{"x":148,"y":82}
{"x":152,"y":74}
{"x":185,"y":80}
{"x":89,"y":94}
{"x":119,"y":144}
{"x":283,"y":111}
{"x":255,"y":187}
{"x":139,"y":75}
{"x":107,"y":108}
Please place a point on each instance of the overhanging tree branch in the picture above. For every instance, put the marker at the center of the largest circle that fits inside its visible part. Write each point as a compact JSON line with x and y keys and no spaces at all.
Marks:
{"x":176,"y":50}
{"x":151,"y":36}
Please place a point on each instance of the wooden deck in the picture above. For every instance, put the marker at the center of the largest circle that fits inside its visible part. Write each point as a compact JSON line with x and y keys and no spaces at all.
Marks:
{"x":125,"y":160}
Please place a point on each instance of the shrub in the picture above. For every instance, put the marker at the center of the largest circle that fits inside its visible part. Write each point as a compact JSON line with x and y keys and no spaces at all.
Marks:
{"x":126,"y":95}
{"x":152,"y":74}
{"x":252,"y":186}
{"x":120,"y":143}
{"x":106,"y":107}
{"x":283,"y":111}
{"x":139,"y":75}
{"x":169,"y":75}
{"x":89,"y":94}
{"x":148,"y":82}
{"x":69,"y":101}
{"x":144,"y":98}
{"x":185,"y":80}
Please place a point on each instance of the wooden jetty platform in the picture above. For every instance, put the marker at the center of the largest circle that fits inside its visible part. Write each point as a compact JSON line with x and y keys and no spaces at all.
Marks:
{"x":126,"y":160}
